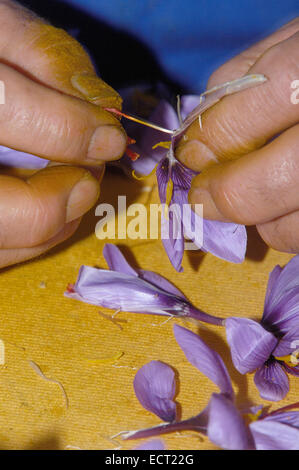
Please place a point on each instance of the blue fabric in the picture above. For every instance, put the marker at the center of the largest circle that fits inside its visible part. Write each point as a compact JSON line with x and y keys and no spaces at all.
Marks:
{"x":191,"y":38}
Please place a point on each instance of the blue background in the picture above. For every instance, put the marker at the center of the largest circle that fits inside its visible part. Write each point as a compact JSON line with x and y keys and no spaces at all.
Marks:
{"x":180,"y":42}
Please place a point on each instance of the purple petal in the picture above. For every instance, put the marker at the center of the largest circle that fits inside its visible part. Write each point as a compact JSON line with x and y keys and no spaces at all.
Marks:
{"x":162,"y":175}
{"x":288,"y":344}
{"x":15,"y":159}
{"x":154,"y":444}
{"x":154,"y":386}
{"x":204,"y":358}
{"x":271,"y":381}
{"x":116,"y":261}
{"x":197,"y":423}
{"x":271,"y":435}
{"x":280,"y":283}
{"x":273,"y":277}
{"x":173,"y":239}
{"x":165,"y":116}
{"x":161,"y":282}
{"x":188,"y":103}
{"x":226,"y":427}
{"x":120,"y":291}
{"x":285,"y":313}
{"x":250,"y":344}
{"x":291,"y":370}
{"x":225,"y":240}
{"x":288,"y":417}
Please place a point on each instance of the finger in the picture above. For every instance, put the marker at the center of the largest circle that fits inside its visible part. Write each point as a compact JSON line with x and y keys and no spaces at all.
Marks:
{"x":245,"y":121}
{"x":49,"y":124}
{"x":51,"y":56}
{"x":256,"y":188}
{"x":34,"y":211}
{"x":239,"y":65}
{"x":18,"y":255}
{"x":282,"y":234}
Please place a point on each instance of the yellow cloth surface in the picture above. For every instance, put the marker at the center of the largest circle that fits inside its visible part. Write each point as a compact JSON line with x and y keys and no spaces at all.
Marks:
{"x":77,"y":345}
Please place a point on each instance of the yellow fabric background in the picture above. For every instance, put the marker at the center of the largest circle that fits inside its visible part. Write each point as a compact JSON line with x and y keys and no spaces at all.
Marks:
{"x":64,"y":337}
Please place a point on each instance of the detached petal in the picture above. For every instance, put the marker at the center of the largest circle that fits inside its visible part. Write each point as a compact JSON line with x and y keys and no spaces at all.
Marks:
{"x":271,"y":381}
{"x":226,"y":427}
{"x":271,"y":435}
{"x":250,"y":344}
{"x":116,"y":261}
{"x":204,"y":359}
{"x":15,"y":159}
{"x":154,"y":386}
{"x":154,"y":444}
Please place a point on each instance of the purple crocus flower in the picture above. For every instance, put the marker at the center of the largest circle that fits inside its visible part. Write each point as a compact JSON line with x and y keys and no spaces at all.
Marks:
{"x":271,"y":348}
{"x":220,"y":420}
{"x":126,"y":289}
{"x":224,"y":240}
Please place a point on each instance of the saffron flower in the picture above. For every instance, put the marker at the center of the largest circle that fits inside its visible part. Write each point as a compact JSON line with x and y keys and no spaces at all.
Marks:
{"x":123,"y":288}
{"x":224,"y":240}
{"x":224,"y":424}
{"x":271,"y":348}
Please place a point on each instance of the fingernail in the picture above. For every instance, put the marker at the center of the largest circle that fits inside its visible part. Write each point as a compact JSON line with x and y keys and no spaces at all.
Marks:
{"x":196,"y":155}
{"x":82,"y":197}
{"x":198,"y":195}
{"x":96,"y":90}
{"x":107,"y":143}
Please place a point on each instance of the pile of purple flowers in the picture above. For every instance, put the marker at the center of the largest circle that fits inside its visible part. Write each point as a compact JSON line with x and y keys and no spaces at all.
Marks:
{"x":267,"y":347}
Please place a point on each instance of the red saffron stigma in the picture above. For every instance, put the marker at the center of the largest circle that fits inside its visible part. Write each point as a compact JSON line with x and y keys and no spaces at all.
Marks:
{"x":132,"y":155}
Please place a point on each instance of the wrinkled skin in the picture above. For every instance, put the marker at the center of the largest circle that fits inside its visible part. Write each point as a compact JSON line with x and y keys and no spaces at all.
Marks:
{"x":53,"y":109}
{"x":248,"y":147}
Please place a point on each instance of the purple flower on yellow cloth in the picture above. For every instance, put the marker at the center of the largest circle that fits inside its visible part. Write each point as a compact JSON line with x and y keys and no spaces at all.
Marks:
{"x":123,"y":288}
{"x":224,"y":424}
{"x":271,"y":348}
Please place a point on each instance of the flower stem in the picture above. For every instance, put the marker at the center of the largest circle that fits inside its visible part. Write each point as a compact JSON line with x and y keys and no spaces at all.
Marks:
{"x":205,"y":317}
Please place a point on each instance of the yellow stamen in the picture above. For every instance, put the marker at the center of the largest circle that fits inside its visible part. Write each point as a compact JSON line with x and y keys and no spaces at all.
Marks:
{"x":250,"y":417}
{"x":165,"y":145}
{"x":291,"y":360}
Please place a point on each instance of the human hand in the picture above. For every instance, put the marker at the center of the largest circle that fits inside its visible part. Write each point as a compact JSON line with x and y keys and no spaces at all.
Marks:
{"x":51,"y":90}
{"x":248,"y":147}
